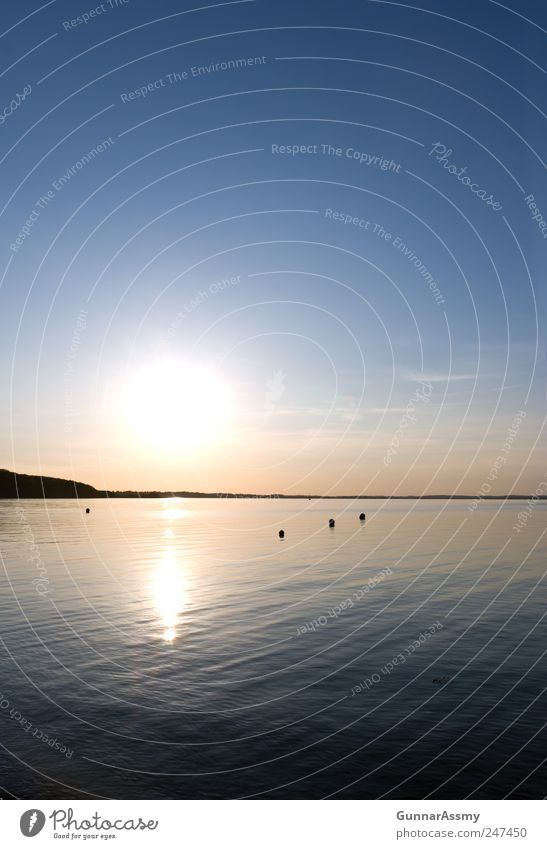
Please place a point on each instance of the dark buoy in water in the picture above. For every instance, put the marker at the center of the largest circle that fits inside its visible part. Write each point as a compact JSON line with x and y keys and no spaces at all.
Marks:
{"x":281,"y":534}
{"x":87,"y":510}
{"x":331,"y":523}
{"x":362,"y":517}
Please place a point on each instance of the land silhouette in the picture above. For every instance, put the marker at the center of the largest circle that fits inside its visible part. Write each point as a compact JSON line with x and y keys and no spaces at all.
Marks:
{"x":15,"y":485}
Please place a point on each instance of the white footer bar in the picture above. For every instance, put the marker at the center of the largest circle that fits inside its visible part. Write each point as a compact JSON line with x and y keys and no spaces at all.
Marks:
{"x":263,"y":824}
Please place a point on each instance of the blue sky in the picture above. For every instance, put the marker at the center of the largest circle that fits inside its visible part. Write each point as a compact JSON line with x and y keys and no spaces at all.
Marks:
{"x":233,"y":228}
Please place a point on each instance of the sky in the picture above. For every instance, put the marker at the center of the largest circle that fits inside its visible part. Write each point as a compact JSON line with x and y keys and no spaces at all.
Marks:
{"x":273,"y":246}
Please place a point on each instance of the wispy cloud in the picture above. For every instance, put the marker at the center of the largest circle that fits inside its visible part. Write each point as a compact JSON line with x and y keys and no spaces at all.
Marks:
{"x":508,"y":386}
{"x":445,"y":378}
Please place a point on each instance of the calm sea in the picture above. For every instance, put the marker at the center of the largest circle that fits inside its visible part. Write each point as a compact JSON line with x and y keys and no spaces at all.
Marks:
{"x":179,"y":649}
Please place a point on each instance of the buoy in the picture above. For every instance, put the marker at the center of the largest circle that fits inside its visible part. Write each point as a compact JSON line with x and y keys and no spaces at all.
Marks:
{"x":281,"y":534}
{"x":87,"y":510}
{"x":362,"y":517}
{"x":331,"y":523}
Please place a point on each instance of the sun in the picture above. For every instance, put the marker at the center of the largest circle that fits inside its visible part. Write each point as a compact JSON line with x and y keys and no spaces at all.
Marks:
{"x":171,"y":404}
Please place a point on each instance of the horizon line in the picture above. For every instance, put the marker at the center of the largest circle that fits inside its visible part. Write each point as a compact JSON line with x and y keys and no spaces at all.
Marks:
{"x":93,"y":492}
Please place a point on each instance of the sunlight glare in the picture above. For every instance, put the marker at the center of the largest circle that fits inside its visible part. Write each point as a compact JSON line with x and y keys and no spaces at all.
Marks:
{"x":169,"y":590}
{"x":171,"y":405}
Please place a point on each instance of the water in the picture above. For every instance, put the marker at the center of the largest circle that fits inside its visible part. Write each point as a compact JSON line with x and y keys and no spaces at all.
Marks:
{"x":178,"y":649}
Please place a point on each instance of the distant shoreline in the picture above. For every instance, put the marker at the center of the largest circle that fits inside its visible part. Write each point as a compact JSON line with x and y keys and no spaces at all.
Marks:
{"x":17,"y":486}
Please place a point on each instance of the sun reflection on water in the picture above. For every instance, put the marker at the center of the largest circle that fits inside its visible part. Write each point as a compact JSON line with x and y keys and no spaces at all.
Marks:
{"x":170,"y":590}
{"x":171,"y":508}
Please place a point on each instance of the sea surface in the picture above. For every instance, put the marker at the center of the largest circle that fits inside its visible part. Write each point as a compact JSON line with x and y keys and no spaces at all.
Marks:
{"x":177,"y":648}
